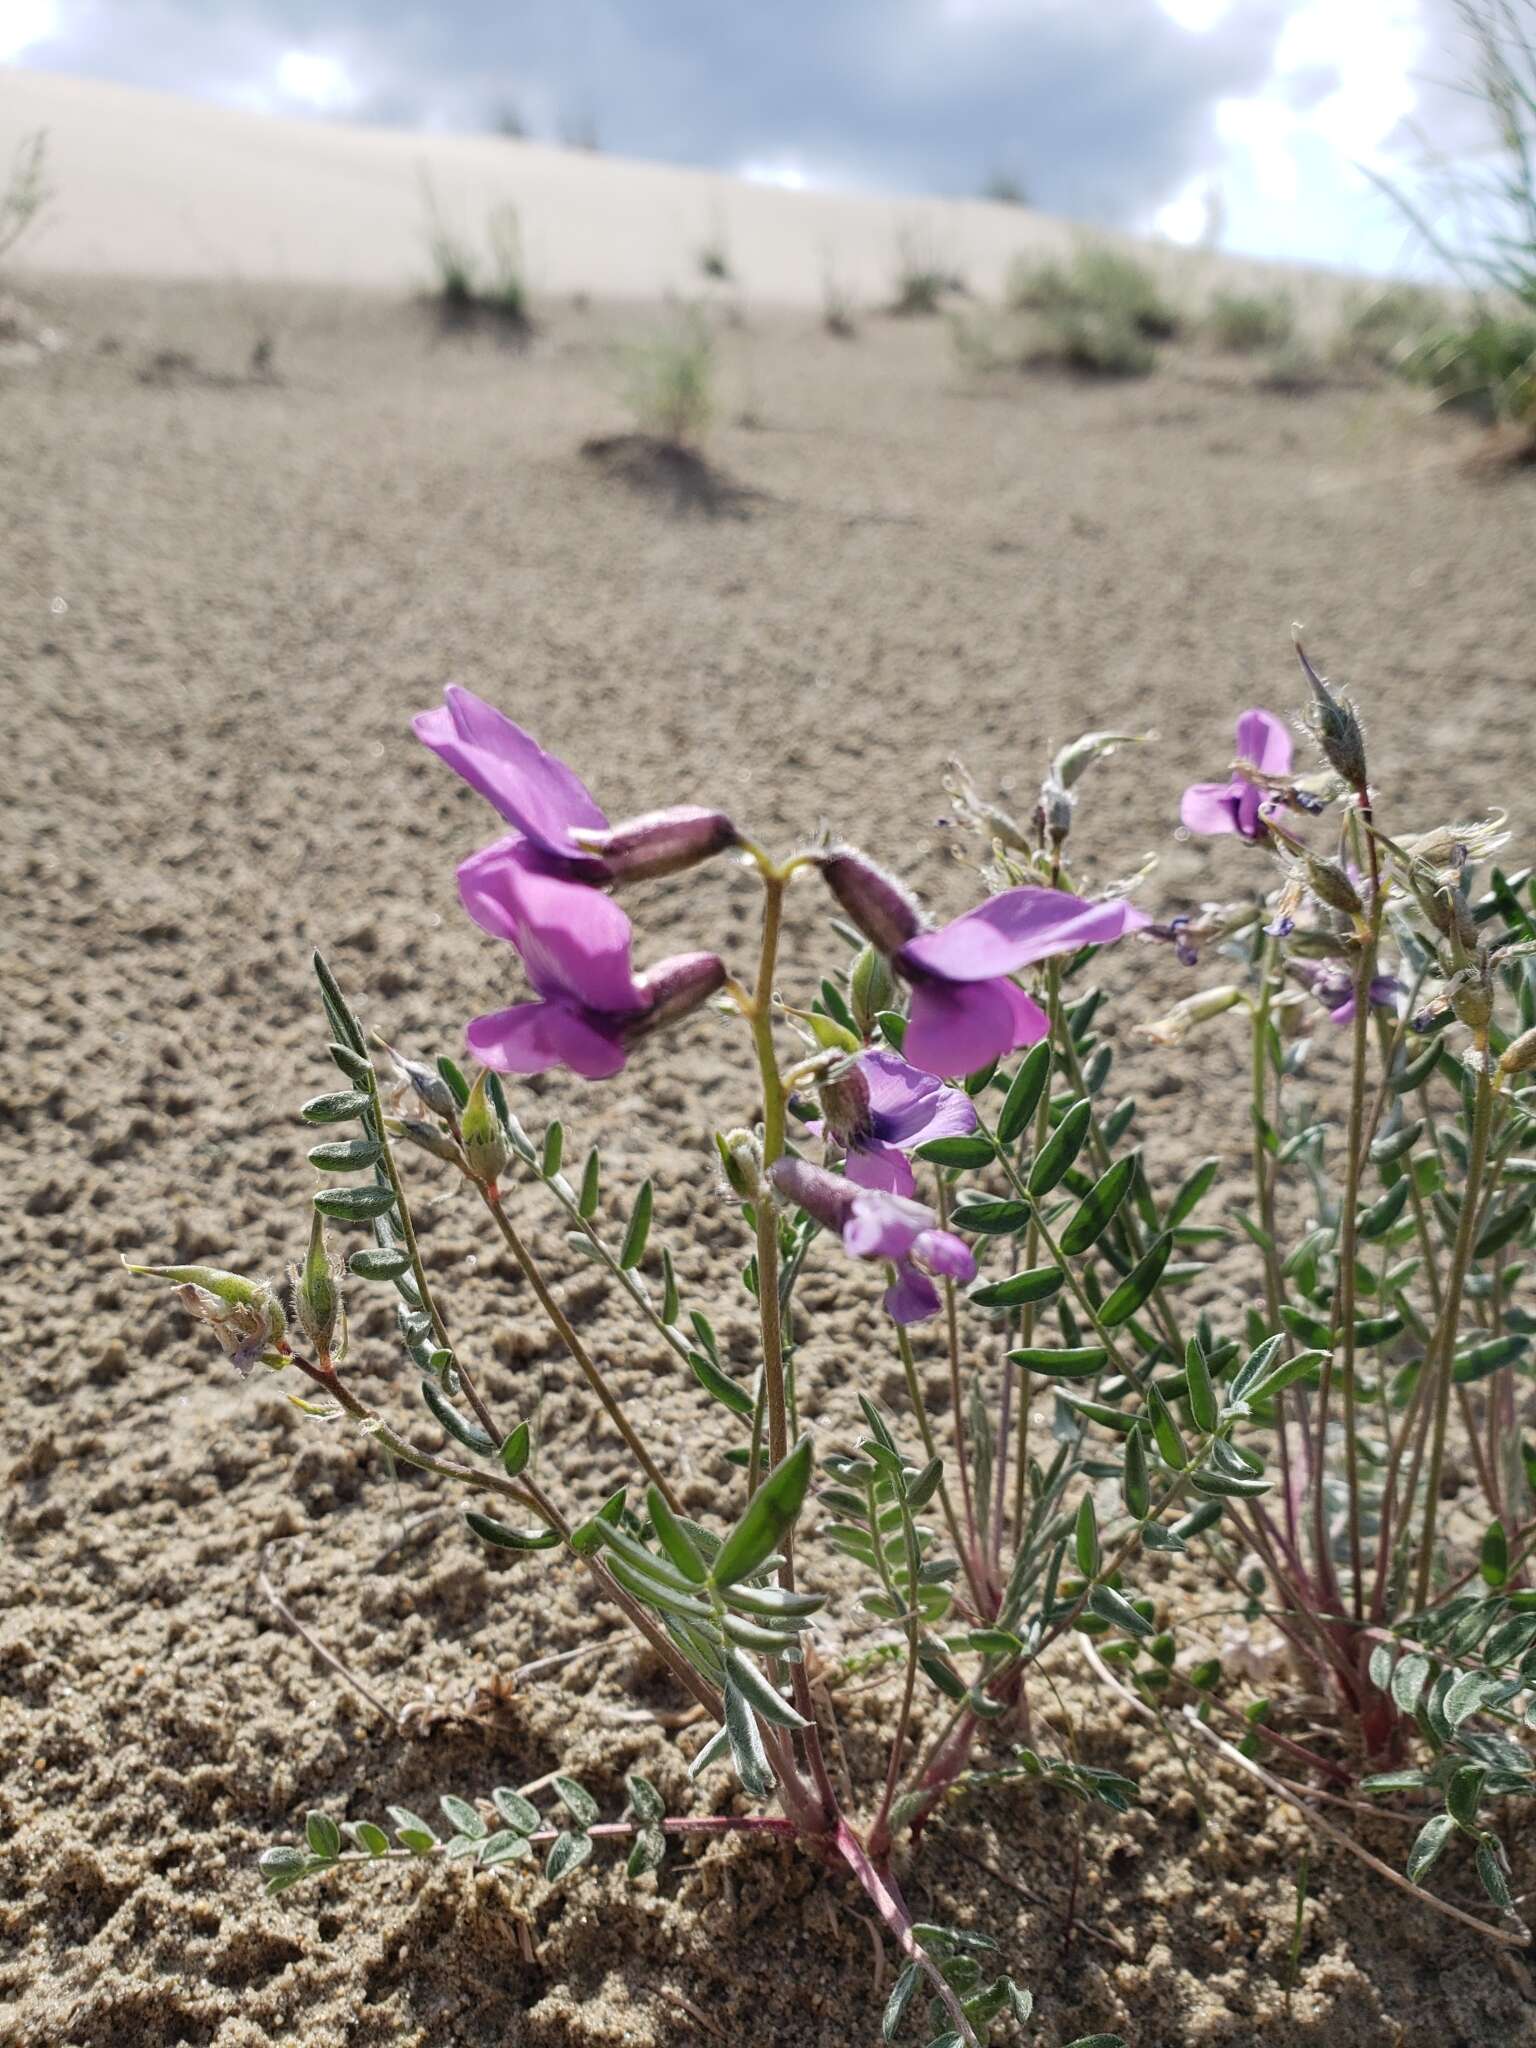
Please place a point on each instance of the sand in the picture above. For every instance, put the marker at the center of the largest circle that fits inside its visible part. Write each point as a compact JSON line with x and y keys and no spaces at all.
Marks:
{"x":220,"y":600}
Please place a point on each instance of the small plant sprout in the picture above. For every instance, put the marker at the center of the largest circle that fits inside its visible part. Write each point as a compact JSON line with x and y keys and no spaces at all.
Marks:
{"x":1250,"y":323}
{"x":929,"y":1115}
{"x":671,"y":382}
{"x":26,"y":193}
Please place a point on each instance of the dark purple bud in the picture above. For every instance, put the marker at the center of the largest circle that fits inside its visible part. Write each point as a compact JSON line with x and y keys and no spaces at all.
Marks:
{"x":875,"y":901}
{"x":845,"y":1103}
{"x":1305,"y":800}
{"x":661,"y":842}
{"x":674,"y":987}
{"x":1334,"y":726}
{"x":826,"y":1196}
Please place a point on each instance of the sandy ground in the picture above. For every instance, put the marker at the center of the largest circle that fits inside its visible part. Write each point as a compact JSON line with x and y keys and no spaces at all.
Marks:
{"x":219,"y":602}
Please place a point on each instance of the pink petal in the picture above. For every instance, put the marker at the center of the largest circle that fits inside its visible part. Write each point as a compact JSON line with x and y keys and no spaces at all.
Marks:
{"x":533,"y":790}
{"x":954,"y":1028}
{"x":909,"y":1104}
{"x":574,"y":941}
{"x":1210,"y":806}
{"x":913,"y":1299}
{"x":1007,"y":932}
{"x":880,"y":1166}
{"x":529,"y":1038}
{"x":942,"y":1252}
{"x":881,"y":1226}
{"x":1264,"y":741}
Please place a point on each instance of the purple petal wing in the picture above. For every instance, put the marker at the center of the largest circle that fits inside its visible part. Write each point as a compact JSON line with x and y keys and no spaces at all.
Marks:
{"x":529,"y":1038}
{"x":954,"y":1028}
{"x":1265,"y":742}
{"x":1007,"y":932}
{"x":533,"y":790}
{"x":908,"y":1105}
{"x":1211,"y":806}
{"x":574,"y":941}
{"x":881,"y":1226}
{"x":942,"y":1252}
{"x":880,"y":1166}
{"x":913,"y":1299}
{"x":482,"y":889}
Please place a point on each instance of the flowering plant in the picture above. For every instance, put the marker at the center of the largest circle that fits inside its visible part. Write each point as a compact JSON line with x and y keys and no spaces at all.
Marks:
{"x":939,"y":1111}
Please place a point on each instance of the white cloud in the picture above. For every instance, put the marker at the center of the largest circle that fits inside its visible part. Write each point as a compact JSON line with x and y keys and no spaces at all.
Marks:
{"x":23,"y":23}
{"x":1198,"y":16}
{"x":316,"y":81}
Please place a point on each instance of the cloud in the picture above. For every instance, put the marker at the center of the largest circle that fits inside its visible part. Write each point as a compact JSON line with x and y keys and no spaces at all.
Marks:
{"x":1100,"y":110}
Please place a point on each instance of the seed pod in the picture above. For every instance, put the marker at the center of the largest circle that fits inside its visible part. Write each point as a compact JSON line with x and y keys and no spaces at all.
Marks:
{"x":316,"y":1297}
{"x":1330,"y":884}
{"x":426,"y":1135}
{"x":485,"y":1143}
{"x":1334,"y":726}
{"x":1519,"y":1056}
{"x":871,"y":989}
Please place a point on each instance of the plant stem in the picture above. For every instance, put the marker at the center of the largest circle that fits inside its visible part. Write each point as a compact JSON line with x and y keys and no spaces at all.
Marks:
{"x":1445,"y":1335}
{"x":1348,"y":1275}
{"x":930,"y":1446}
{"x":561,"y":1325}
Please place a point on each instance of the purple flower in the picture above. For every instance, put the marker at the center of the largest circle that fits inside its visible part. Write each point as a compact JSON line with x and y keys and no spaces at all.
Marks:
{"x":966,"y":1009}
{"x":1263,"y":744}
{"x":1334,"y":987}
{"x":575,"y":944}
{"x":875,"y":1224}
{"x":878,"y":1108}
{"x":552,"y":808}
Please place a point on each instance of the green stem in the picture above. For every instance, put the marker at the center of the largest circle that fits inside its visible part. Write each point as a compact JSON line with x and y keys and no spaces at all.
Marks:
{"x":930,"y":1446}
{"x":1445,"y":1335}
{"x":1348,"y":1277}
{"x":561,"y":1325}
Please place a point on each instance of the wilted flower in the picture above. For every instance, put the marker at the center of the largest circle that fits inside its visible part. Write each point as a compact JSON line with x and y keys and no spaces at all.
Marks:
{"x":965,"y":1008}
{"x":245,"y":1315}
{"x":1175,"y":1026}
{"x":564,"y":831}
{"x":1241,"y":805}
{"x":878,"y":1108}
{"x":575,"y":945}
{"x":1332,"y":983}
{"x":874,"y":1224}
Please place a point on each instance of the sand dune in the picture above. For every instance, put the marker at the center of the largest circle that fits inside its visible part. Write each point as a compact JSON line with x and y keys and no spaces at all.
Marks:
{"x":153,"y":185}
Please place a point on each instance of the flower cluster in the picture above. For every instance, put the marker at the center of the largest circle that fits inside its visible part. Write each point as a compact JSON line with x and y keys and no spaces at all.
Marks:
{"x":542,"y":888}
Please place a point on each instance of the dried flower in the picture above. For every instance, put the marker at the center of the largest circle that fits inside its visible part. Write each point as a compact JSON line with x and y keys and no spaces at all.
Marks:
{"x":245,"y":1315}
{"x":1176,"y":1024}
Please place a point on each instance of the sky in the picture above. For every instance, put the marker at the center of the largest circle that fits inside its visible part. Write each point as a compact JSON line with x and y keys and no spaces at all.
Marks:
{"x":1253,"y":123}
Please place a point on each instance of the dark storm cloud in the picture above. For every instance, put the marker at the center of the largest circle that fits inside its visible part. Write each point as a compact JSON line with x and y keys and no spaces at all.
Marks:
{"x":1100,"y":108}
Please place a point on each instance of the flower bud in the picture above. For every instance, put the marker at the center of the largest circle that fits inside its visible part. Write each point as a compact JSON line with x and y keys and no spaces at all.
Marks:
{"x":1519,"y":1055}
{"x":844,"y":1096}
{"x":1471,"y":997}
{"x":430,"y":1089}
{"x":316,"y":1297}
{"x":660,"y":842}
{"x":871,"y":988}
{"x":1054,"y":812}
{"x":1334,"y":726}
{"x":675,"y":986}
{"x":826,"y":1196}
{"x":741,"y":1160}
{"x":485,"y":1143}
{"x":1446,"y":908}
{"x":1330,"y":884}
{"x":875,"y":901}
{"x":426,"y":1135}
